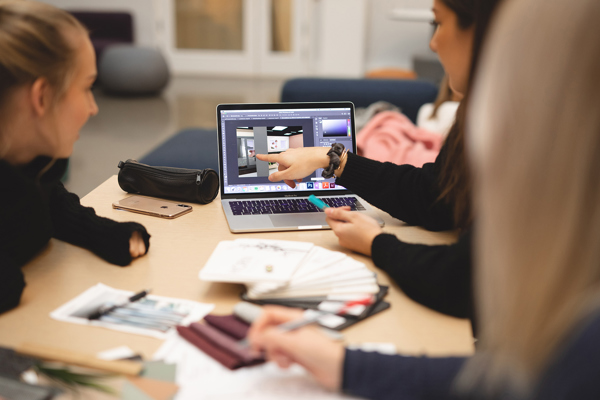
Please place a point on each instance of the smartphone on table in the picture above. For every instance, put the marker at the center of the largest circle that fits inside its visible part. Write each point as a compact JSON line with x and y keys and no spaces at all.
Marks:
{"x":151,"y":206}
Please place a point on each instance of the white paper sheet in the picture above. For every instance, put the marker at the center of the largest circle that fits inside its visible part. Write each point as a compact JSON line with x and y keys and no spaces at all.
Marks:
{"x":167,"y":309}
{"x":117,"y":353}
{"x":202,"y":378}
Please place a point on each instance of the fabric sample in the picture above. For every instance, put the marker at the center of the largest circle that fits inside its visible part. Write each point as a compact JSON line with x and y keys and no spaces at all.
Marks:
{"x":221,"y":356}
{"x":224,"y":342}
{"x":219,"y":338}
{"x":229,"y":324}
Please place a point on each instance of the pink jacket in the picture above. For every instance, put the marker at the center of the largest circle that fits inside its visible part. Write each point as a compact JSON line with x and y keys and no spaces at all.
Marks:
{"x":391,"y":136}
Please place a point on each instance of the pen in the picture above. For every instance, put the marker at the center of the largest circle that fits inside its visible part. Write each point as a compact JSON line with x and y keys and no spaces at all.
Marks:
{"x":300,"y":322}
{"x":317,"y":202}
{"x":103,"y":311}
{"x":315,"y":315}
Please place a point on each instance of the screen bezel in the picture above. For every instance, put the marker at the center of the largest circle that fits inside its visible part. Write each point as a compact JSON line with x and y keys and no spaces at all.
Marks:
{"x":280,"y":106}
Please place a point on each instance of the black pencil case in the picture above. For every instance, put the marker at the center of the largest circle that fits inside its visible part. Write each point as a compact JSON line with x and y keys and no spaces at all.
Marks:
{"x":191,"y":185}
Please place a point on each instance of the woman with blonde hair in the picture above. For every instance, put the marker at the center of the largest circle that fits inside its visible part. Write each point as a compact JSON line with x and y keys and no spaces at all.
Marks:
{"x":47,"y":69}
{"x":534,"y":148}
{"x":534,"y":138}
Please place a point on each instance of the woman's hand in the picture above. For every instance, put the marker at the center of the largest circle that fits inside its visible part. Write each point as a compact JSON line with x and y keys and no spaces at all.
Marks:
{"x":137,"y":247}
{"x":295,"y":164}
{"x":355,"y":230}
{"x":318,"y":354}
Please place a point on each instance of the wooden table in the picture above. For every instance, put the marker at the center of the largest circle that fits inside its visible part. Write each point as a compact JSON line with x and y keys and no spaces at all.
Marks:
{"x":179,"y":248}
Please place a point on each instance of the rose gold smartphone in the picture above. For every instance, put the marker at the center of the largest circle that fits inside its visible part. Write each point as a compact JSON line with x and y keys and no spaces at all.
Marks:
{"x":151,"y":206}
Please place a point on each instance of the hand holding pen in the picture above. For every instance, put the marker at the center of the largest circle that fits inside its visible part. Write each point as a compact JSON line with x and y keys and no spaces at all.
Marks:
{"x":309,"y":347}
{"x":106,"y":310}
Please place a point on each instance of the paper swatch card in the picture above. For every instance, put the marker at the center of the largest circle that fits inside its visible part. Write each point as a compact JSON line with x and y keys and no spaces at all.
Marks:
{"x":255,"y":260}
{"x":317,"y":259}
{"x":344,"y":275}
{"x":278,"y":269}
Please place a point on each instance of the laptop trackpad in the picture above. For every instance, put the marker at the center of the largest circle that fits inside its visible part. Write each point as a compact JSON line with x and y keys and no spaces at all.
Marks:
{"x":298,"y":219}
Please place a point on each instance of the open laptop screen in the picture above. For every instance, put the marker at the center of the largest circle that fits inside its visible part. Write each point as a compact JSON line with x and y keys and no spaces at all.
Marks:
{"x":249,"y":129}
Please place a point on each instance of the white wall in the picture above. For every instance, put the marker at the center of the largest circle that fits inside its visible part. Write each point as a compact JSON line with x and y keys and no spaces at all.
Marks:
{"x":388,"y":42}
{"x":142,"y":11}
{"x":392,"y":43}
{"x":339,"y":34}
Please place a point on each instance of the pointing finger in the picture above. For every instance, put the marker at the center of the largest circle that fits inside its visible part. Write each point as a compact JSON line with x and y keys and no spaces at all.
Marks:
{"x":267,"y":157}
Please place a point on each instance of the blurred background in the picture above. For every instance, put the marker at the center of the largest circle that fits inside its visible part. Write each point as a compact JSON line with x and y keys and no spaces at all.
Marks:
{"x":199,"y":53}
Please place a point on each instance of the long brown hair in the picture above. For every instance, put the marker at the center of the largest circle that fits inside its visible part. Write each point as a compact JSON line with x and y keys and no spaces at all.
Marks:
{"x":445,"y":94}
{"x":455,"y":178}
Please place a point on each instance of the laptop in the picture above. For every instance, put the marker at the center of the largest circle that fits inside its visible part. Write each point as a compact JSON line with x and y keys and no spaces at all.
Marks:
{"x":250,"y":201}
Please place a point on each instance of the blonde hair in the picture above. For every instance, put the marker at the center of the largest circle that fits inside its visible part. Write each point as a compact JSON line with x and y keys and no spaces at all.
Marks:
{"x":33,"y":44}
{"x":534,"y":140}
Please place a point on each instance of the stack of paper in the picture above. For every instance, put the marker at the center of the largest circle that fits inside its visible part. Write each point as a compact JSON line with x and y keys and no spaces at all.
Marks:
{"x":279,"y":269}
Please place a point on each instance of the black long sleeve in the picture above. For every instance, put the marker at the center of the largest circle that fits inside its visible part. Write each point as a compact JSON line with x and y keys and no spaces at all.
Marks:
{"x":80,"y":226}
{"x":12,"y":283}
{"x":438,"y":277}
{"x":33,"y":209}
{"x":405,"y":192}
{"x":377,"y":376}
{"x":25,"y":229}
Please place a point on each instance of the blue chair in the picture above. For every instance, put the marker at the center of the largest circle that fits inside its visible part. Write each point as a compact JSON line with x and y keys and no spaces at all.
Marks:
{"x":192,"y":148}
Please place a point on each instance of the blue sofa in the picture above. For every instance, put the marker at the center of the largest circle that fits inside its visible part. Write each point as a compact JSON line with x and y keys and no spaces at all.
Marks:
{"x":408,"y":95}
{"x":198,"y":148}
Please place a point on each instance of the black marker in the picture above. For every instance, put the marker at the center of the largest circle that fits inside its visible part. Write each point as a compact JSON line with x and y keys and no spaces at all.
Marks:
{"x":103,"y":311}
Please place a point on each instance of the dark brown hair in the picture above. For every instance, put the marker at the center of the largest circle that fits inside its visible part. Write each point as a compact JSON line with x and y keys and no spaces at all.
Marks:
{"x":464,"y":10}
{"x":445,"y":94}
{"x":455,"y":178}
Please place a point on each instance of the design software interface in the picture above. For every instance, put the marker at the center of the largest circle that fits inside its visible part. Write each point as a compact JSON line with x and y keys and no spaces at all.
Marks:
{"x":246,"y":133}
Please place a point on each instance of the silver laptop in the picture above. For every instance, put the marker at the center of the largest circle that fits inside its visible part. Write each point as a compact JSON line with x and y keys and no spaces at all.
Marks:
{"x":250,"y":201}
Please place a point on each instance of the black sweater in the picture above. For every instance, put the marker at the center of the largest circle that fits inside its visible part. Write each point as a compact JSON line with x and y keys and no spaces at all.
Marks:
{"x":33,"y":209}
{"x":438,"y":277}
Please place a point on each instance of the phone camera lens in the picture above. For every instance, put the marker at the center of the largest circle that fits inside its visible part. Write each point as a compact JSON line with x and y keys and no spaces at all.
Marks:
{"x":181,"y":205}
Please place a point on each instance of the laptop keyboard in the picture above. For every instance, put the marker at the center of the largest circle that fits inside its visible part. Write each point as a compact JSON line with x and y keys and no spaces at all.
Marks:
{"x":289,"y":206}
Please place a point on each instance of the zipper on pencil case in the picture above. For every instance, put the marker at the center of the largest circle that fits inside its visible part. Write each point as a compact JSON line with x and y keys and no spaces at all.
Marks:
{"x":194,"y":175}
